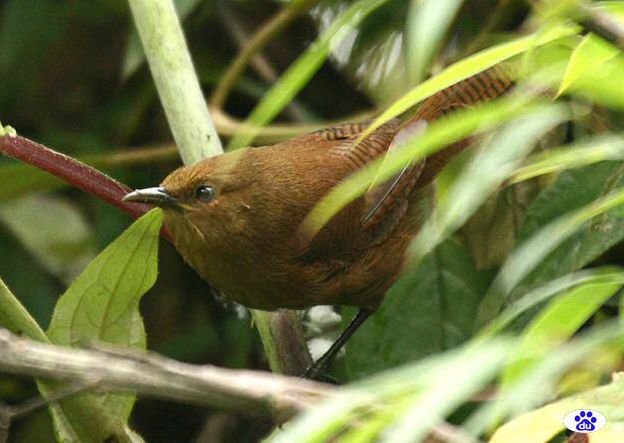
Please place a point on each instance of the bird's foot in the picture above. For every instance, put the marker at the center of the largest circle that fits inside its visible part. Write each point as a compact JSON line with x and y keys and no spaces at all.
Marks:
{"x":315,"y":372}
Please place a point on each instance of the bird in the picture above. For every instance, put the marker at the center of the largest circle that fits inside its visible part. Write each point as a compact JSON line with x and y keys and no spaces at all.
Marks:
{"x":236,"y":218}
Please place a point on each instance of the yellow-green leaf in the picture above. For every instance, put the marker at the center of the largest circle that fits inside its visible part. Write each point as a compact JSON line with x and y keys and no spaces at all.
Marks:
{"x":556,"y":323}
{"x":541,"y":425}
{"x":583,"y":153}
{"x":614,"y":8}
{"x":439,"y":133}
{"x":427,"y":23}
{"x":590,"y":54}
{"x":467,"y":67}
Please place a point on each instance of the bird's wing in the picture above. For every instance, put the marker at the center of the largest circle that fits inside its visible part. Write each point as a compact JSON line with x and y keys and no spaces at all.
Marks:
{"x":341,"y":132}
{"x":391,"y":195}
{"x":385,"y":204}
{"x":339,"y":238}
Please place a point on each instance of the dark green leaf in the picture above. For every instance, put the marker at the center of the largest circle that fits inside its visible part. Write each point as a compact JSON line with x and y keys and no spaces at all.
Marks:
{"x":63,"y":245}
{"x":572,"y":190}
{"x":431,"y":309}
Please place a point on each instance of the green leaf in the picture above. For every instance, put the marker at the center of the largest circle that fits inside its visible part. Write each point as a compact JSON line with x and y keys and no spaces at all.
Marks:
{"x":582,"y":153}
{"x":600,"y":79}
{"x":492,"y":231}
{"x":102,"y":305}
{"x":538,"y":385}
{"x":556,"y":323}
{"x":371,"y":428}
{"x":449,"y":386}
{"x":429,"y":389}
{"x":63,"y":244}
{"x":467,"y":67}
{"x":602,"y":275}
{"x":300,"y":72}
{"x":16,"y":318}
{"x":428,"y":311}
{"x":427,"y":23}
{"x":590,"y":54}
{"x":573,"y":190}
{"x":90,"y":423}
{"x":614,"y":7}
{"x":562,"y":244}
{"x":488,"y":169}
{"x":439,"y":134}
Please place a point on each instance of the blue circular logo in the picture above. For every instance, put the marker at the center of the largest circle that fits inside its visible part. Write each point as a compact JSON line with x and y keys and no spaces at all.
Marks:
{"x":584,"y":421}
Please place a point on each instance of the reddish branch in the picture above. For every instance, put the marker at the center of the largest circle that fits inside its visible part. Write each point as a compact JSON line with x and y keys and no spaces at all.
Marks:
{"x":73,"y":172}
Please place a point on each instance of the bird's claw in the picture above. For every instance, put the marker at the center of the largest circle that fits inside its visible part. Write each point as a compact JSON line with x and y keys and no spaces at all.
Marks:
{"x":315,"y":372}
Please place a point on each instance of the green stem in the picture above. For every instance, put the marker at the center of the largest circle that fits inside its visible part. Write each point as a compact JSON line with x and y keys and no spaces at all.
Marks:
{"x":178,"y":87}
{"x":192,"y":126}
{"x":284,"y":344}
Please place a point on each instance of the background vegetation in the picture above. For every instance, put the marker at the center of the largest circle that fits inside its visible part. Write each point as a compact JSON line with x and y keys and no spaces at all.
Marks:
{"x":524,"y":239}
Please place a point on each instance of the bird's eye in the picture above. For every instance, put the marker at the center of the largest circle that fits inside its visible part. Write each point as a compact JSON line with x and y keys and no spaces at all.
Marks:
{"x":205,"y":193}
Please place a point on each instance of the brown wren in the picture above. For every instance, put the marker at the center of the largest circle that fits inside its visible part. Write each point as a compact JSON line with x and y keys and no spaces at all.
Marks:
{"x":235,"y":218}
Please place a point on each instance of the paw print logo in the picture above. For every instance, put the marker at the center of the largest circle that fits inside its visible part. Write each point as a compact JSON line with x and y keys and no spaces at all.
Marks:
{"x":584,"y":421}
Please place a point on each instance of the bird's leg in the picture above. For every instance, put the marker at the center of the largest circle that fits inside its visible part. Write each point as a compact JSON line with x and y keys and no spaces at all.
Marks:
{"x":315,"y":372}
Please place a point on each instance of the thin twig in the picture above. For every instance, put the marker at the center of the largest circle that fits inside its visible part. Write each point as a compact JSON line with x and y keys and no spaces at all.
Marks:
{"x":73,"y":172}
{"x":250,"y":392}
{"x":228,"y":126}
{"x":602,"y":24}
{"x":495,"y":19}
{"x":134,"y":156}
{"x":259,"y":62}
{"x":10,"y":413}
{"x":29,"y":406}
{"x":270,"y":29}
{"x":124,"y":370}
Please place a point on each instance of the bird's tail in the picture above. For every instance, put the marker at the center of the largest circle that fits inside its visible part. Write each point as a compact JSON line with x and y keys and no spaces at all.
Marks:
{"x":486,"y":85}
{"x":482,"y":87}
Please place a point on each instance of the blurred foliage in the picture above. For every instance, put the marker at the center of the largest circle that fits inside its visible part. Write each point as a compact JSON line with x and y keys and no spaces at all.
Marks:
{"x":525,"y":244}
{"x":432,"y":310}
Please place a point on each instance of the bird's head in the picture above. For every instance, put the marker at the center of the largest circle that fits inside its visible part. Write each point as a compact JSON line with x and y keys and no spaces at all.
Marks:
{"x":208,"y":197}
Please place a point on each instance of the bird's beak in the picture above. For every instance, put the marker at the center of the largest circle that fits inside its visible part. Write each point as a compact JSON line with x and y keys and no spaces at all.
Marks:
{"x":157,"y":196}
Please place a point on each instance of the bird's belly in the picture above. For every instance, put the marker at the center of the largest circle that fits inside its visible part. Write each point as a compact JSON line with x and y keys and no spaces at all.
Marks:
{"x":271,"y":281}
{"x":361,"y":283}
